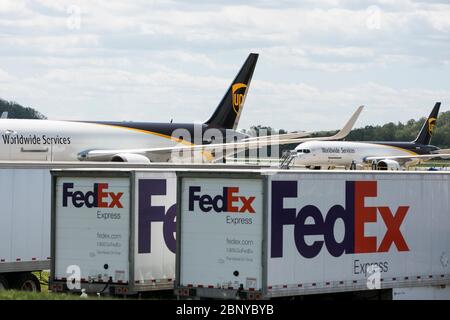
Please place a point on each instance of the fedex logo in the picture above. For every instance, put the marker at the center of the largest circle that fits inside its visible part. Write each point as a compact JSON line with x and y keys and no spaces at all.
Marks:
{"x":150,"y":213}
{"x":228,"y":201}
{"x":355,"y":215}
{"x":100,"y":197}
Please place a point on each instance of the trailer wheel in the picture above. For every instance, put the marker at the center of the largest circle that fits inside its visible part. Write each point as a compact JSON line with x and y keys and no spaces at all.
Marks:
{"x":3,"y":283}
{"x":27,"y":282}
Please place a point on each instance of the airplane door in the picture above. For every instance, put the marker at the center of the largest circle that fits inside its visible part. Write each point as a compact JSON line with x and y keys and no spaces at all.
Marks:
{"x":29,"y":152}
{"x":36,"y":153}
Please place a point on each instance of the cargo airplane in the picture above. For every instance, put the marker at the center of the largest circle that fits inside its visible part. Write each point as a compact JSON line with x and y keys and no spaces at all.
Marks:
{"x":144,"y":142}
{"x":382,"y":155}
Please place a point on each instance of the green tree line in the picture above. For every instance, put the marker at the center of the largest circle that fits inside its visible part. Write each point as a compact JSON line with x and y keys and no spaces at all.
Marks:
{"x":388,"y":132}
{"x":16,"y":111}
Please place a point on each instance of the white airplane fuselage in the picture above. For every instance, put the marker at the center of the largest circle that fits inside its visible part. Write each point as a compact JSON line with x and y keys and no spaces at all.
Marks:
{"x":48,"y":140}
{"x":343,"y":153}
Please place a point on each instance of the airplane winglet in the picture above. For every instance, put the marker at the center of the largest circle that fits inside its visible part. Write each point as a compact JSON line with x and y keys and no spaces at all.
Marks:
{"x":4,"y":115}
{"x":348,"y":126}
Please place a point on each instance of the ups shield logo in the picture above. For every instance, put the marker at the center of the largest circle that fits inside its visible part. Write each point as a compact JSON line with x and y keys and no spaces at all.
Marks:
{"x":238,"y":94}
{"x":431,"y":125}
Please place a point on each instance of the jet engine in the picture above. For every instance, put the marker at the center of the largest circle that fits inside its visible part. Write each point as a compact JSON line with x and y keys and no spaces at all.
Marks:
{"x":388,"y":164}
{"x":313,"y":167}
{"x":130,"y":157}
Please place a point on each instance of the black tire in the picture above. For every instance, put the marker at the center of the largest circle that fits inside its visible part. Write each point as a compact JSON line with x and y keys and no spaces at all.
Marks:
{"x":3,"y":283}
{"x":26,"y":282}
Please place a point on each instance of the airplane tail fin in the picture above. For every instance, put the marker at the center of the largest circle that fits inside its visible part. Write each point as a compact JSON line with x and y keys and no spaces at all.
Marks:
{"x":424,"y":136}
{"x":229,"y":110}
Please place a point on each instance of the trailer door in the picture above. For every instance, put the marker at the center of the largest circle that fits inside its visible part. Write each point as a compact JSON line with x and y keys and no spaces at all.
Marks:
{"x":221,"y":233}
{"x":92,"y":219}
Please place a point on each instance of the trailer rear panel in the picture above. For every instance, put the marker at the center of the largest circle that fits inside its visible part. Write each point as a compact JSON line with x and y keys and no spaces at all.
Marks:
{"x":92,"y":228}
{"x":221,"y":234}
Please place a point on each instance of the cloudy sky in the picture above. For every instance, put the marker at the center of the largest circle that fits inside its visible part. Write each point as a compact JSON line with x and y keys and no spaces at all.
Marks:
{"x":146,"y":60}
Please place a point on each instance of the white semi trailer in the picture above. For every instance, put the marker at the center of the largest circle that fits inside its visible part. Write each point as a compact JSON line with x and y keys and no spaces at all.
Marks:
{"x":268,"y":234}
{"x":25,"y":198}
{"x":25,"y":215}
{"x":113,"y":231}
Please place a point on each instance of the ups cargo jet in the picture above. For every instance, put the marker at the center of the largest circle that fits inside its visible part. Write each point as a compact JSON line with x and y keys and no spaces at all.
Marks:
{"x":383,"y":155}
{"x":144,"y":142}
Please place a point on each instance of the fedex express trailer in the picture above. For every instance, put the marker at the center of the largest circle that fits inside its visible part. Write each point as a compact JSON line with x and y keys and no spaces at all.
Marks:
{"x":25,"y":197}
{"x":113,"y":231}
{"x":268,"y":234}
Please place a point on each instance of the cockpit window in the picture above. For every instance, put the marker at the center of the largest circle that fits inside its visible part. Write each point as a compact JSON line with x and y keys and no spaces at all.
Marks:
{"x":303,"y":151}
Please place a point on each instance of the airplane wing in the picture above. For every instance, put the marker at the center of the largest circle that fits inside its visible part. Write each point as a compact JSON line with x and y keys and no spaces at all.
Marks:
{"x":4,"y":115}
{"x":212,"y":151}
{"x":408,"y":158}
{"x":440,"y":151}
{"x":290,"y":135}
{"x":217,"y":151}
{"x":302,"y":134}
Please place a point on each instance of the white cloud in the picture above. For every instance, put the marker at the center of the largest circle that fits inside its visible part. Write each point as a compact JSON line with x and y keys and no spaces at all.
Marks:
{"x":12,"y":7}
{"x":156,"y":60}
{"x":4,"y":76}
{"x":304,"y":107}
